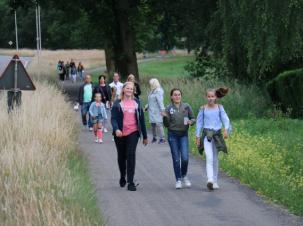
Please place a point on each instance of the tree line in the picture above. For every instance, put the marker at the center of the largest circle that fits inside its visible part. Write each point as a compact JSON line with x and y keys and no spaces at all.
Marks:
{"x":252,"y":40}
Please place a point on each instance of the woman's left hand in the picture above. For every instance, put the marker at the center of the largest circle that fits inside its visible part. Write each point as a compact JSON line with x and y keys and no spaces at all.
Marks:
{"x":145,"y":142}
{"x":225,"y":134}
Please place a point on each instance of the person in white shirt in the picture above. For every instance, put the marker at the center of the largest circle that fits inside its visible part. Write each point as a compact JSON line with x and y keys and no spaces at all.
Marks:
{"x":117,"y":84}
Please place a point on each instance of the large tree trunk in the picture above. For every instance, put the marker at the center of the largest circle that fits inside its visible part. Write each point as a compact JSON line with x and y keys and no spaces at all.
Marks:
{"x":125,"y":54}
{"x":109,"y":58}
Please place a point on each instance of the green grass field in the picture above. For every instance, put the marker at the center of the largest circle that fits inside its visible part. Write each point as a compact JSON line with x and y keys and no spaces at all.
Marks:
{"x":167,"y":67}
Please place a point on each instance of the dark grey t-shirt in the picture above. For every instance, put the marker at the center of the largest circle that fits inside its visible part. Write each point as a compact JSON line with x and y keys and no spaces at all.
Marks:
{"x":175,"y":118}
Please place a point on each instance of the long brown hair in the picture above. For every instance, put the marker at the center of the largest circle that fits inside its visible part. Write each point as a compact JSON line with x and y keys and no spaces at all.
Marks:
{"x":220,"y":92}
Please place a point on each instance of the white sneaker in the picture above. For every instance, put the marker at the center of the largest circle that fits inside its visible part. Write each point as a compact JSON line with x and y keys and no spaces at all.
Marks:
{"x":97,"y":140}
{"x":216,"y":186}
{"x":179,"y":184}
{"x":100,"y":141}
{"x":90,"y":128}
{"x":186,"y":182}
{"x":105,"y":130}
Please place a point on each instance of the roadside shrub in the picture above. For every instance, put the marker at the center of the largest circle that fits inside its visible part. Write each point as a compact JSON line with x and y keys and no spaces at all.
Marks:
{"x":287,"y":89}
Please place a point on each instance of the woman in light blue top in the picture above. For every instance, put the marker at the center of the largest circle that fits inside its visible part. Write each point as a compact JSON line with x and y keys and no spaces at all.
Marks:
{"x":211,"y":118}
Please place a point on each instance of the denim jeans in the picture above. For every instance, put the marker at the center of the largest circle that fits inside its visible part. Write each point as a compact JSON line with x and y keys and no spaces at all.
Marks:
{"x":84,"y":113}
{"x":179,"y":150}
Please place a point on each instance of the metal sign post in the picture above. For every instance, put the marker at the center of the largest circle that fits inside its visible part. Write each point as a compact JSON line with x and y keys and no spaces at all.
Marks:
{"x":14,"y":79}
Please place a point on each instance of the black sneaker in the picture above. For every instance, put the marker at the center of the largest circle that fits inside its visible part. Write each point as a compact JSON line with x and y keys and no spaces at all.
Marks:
{"x":122,"y":182}
{"x":210,"y":186}
{"x":131,"y":187}
{"x":154,"y":140}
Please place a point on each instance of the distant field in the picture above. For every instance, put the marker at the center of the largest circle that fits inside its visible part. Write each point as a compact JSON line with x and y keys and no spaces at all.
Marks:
{"x":165,"y":67}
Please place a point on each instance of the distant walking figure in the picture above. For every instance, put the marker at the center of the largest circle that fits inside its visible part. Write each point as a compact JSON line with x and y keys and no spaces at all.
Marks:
{"x":178,"y":116}
{"x":73,"y":71}
{"x":155,"y":107}
{"x":128,"y":123}
{"x":137,"y":91}
{"x":210,"y":120}
{"x":80,"y":70}
{"x":85,"y":98}
{"x":117,"y":84}
{"x":67,"y":69}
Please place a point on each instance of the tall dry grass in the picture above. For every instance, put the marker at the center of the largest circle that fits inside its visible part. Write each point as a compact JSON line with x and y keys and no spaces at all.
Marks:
{"x":21,"y":52}
{"x":37,"y":187}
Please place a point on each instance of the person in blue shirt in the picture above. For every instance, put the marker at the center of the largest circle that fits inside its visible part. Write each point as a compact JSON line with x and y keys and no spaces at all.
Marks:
{"x":211,"y":118}
{"x":85,"y":96}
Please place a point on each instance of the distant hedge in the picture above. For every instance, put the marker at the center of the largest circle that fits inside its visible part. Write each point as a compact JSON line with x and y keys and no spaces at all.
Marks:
{"x":287,"y":90}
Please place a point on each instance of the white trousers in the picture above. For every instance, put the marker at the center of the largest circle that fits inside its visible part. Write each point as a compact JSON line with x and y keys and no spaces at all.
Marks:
{"x":212,"y":162}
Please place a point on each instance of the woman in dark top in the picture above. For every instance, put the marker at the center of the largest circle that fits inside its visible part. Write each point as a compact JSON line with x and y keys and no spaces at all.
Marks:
{"x":137,"y":91}
{"x":106,"y":94}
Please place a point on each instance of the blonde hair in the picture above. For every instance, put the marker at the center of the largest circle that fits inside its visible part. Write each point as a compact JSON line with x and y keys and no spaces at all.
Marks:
{"x":131,"y":77}
{"x":124,"y":85}
{"x":154,"y":83}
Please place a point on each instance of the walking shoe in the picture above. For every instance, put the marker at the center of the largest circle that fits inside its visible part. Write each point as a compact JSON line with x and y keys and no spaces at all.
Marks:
{"x":90,"y":128}
{"x":154,"y":140}
{"x":97,"y":140}
{"x":178,"y":184}
{"x":186,"y":182}
{"x":162,"y":141}
{"x":105,"y":130}
{"x":216,"y":186}
{"x":210,"y":185}
{"x":100,"y":141}
{"x":131,"y":187}
{"x":122,"y":182}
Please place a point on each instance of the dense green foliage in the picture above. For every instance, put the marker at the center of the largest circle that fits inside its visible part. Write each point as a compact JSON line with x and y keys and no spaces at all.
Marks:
{"x":256,"y":39}
{"x":287,"y":89}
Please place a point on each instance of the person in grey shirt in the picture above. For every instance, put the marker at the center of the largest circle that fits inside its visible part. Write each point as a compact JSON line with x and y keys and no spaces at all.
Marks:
{"x":177,"y":117}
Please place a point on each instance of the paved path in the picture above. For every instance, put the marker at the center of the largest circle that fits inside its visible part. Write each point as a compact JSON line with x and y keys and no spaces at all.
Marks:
{"x":158,"y":203}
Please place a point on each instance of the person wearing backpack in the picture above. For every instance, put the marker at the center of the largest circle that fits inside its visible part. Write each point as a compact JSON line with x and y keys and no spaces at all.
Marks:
{"x":211,"y":118}
{"x":178,"y":116}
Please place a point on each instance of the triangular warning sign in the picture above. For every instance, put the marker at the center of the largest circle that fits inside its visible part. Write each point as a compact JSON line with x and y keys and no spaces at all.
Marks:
{"x":7,"y":79}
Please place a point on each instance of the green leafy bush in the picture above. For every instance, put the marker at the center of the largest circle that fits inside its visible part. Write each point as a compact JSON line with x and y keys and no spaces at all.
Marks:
{"x":287,"y":90}
{"x":207,"y":67}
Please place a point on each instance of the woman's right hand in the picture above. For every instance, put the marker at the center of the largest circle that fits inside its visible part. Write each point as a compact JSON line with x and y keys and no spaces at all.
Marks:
{"x":118,"y":133}
{"x":164,"y":114}
{"x":198,"y":141}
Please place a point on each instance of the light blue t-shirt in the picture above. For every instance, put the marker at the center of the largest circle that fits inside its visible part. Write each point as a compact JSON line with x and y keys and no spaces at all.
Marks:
{"x":213,"y":118}
{"x":88,"y":93}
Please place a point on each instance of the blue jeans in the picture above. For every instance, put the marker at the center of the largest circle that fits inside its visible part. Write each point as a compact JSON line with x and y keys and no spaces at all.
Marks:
{"x":179,"y":150}
{"x":84,"y":113}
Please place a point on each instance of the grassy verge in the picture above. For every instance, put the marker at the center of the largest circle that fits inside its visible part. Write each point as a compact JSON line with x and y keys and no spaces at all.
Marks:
{"x":43,"y":181}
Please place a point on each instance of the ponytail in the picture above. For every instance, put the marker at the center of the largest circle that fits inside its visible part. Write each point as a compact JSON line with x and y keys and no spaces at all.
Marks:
{"x":221,"y":92}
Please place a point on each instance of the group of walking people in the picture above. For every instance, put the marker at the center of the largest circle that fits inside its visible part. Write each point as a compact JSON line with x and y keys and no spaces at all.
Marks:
{"x":69,"y":70}
{"x":122,"y":103}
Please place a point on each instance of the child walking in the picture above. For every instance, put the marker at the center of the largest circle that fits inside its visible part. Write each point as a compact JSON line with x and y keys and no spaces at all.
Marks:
{"x":211,"y":118}
{"x":98,"y":113}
